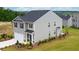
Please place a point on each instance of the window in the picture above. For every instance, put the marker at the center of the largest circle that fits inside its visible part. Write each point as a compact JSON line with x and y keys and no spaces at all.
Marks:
{"x":48,"y":24}
{"x":15,"y":24}
{"x":21,"y":25}
{"x":58,"y":27}
{"x":73,"y":20}
{"x":54,"y":23}
{"x":30,"y":25}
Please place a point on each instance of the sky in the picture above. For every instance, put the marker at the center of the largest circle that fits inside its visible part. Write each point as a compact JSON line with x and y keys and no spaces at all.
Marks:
{"x":44,"y":8}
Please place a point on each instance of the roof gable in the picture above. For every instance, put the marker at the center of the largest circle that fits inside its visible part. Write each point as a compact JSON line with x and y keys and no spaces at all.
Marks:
{"x":33,"y":15}
{"x":62,"y":15}
{"x":17,"y":19}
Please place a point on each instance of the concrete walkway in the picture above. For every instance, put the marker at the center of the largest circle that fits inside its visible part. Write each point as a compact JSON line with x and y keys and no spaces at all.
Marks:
{"x":7,"y":43}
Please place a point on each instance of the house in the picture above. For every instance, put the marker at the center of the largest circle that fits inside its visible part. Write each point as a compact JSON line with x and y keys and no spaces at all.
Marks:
{"x":66,"y":19}
{"x":36,"y":26}
{"x":75,"y":19}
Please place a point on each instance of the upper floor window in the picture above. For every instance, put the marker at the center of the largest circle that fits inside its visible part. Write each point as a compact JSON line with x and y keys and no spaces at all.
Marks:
{"x":30,"y":25}
{"x":21,"y":25}
{"x":15,"y":24}
{"x":48,"y":24}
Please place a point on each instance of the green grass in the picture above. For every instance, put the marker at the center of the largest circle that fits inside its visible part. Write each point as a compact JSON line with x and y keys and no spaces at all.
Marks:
{"x":69,"y":43}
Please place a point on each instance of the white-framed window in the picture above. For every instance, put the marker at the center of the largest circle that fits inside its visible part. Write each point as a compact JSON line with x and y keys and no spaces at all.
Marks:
{"x":48,"y":24}
{"x":15,"y":24}
{"x":21,"y":25}
{"x":30,"y":25}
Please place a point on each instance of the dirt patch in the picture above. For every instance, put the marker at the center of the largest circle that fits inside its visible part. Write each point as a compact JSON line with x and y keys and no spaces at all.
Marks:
{"x":6,"y":27}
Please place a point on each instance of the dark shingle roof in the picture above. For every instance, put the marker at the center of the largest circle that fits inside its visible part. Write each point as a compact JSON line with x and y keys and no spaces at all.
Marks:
{"x":33,"y":15}
{"x":65,"y":17}
{"x":30,"y":31}
{"x":62,"y":15}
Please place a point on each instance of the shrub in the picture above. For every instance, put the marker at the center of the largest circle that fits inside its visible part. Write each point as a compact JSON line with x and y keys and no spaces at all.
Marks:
{"x":17,"y":42}
{"x":0,"y":37}
{"x":74,"y":27}
{"x":4,"y":35}
{"x":62,"y":26}
{"x":39,"y":42}
{"x":10,"y":36}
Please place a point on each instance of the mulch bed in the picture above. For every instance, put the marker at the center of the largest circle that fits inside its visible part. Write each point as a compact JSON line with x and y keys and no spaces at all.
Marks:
{"x":1,"y":40}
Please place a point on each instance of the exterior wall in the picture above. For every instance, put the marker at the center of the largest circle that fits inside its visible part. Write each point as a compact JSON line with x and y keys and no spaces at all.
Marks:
{"x":27,"y":25}
{"x":65,"y":22}
{"x":76,"y":18}
{"x":18,"y":32}
{"x":19,"y":37}
{"x":68,"y":22}
{"x":41,"y":26}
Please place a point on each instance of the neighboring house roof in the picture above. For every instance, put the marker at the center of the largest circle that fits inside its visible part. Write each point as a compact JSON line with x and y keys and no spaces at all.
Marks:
{"x":61,"y":14}
{"x":65,"y":17}
{"x":33,"y":15}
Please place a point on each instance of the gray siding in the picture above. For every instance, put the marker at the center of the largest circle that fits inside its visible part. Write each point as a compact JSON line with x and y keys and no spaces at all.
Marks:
{"x":75,"y":20}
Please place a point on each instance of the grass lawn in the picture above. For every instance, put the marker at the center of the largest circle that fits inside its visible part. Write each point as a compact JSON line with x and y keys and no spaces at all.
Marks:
{"x":69,"y":43}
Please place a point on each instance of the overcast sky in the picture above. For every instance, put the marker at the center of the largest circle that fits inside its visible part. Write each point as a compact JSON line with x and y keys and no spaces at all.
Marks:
{"x":44,"y":8}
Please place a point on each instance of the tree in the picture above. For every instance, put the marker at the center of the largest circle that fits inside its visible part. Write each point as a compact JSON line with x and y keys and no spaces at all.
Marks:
{"x":8,"y":15}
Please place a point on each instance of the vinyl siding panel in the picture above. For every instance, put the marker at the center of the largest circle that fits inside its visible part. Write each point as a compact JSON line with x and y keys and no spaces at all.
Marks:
{"x":41,"y":26}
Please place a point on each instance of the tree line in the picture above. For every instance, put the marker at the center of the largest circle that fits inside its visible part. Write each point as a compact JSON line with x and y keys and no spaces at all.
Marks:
{"x":8,"y":15}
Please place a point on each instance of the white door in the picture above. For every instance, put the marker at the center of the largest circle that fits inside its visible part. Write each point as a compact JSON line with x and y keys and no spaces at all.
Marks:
{"x":19,"y":36}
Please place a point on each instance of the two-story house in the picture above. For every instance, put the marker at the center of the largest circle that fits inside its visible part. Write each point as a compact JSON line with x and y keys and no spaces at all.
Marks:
{"x":67,"y":20}
{"x":75,"y":19}
{"x":36,"y":26}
